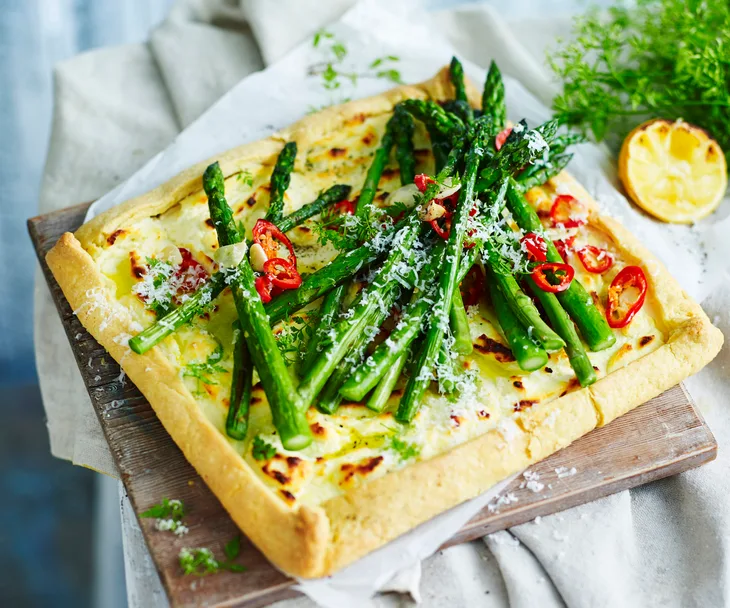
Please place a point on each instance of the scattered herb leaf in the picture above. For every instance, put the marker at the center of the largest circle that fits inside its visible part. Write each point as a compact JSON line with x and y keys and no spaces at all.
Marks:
{"x":200,"y":562}
{"x":261,"y":449}
{"x":245,"y":177}
{"x":203,"y":371}
{"x":405,"y":450}
{"x":167,"y":509}
{"x":233,"y":548}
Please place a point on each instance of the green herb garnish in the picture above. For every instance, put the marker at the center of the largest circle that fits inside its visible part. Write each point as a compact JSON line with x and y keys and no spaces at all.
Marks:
{"x":168,"y":508}
{"x":246,"y":178}
{"x":261,"y":449}
{"x":201,"y":561}
{"x":203,"y":371}
{"x":330,"y":69}
{"x":405,"y":450}
{"x":666,"y":58}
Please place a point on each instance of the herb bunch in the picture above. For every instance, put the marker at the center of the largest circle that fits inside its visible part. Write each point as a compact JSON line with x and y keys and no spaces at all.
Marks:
{"x":663,"y":58}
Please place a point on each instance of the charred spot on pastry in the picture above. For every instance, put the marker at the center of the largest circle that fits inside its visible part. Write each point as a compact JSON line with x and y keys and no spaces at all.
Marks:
{"x":112,"y":238}
{"x":337,"y":152}
{"x":288,"y":495}
{"x":573,"y":384}
{"x":487,"y":346}
{"x":644,"y":340}
{"x":138,"y":269}
{"x":251,"y":200}
{"x":371,"y":464}
{"x":275,"y":474}
{"x":523,"y":404}
{"x":209,"y":223}
{"x":483,"y":414}
{"x":317,"y":429}
{"x":368,"y":138}
{"x":456,"y":420}
{"x":304,"y":229}
{"x":518,"y":384}
{"x":293,"y":461}
{"x":358,"y":119}
{"x":548,"y":370}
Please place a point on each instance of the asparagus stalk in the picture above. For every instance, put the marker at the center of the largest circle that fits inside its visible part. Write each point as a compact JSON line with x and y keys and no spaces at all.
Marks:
{"x":434,"y":117}
{"x":241,"y":385}
{"x":194,"y":305}
{"x":539,"y":174}
{"x":459,"y":324}
{"x":460,"y":109}
{"x":529,"y":356}
{"x":280,"y":179}
{"x":327,"y":314}
{"x":176,"y":318}
{"x":330,"y":398}
{"x":372,"y":179}
{"x":286,"y":410}
{"x":562,"y":323}
{"x":493,"y":103}
{"x":335,"y":194}
{"x":404,"y":145}
{"x":576,"y":300}
{"x":379,"y":398}
{"x":447,"y":280}
{"x":456,"y":72}
{"x":380,"y":294}
{"x":522,"y":306}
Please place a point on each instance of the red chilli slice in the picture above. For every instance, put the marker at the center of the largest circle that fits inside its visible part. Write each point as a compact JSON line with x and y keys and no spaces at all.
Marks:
{"x":567,"y":212}
{"x":344,"y":207}
{"x":191,"y":273}
{"x":502,"y":137}
{"x":618,"y":313}
{"x":535,"y":246}
{"x":472,"y":287}
{"x":282,"y":273}
{"x":270,"y":238}
{"x":445,"y":230}
{"x":263,"y":287}
{"x":422,"y":181}
{"x":562,"y":273}
{"x":595,"y":259}
{"x":564,"y":246}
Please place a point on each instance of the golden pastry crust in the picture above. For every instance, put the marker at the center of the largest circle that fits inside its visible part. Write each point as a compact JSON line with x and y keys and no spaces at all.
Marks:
{"x":315,"y":541}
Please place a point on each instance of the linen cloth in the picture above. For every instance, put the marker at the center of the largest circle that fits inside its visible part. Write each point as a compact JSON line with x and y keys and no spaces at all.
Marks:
{"x":663,"y":544}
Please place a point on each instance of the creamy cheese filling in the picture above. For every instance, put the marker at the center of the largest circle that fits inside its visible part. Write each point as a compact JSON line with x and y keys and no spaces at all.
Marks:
{"x":355,"y":444}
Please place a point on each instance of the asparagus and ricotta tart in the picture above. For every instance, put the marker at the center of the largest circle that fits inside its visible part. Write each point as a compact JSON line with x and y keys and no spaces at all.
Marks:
{"x":378,"y":313}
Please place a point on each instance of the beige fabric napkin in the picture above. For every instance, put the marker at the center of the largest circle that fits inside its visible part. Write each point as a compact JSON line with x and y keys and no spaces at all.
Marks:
{"x":664,"y":544}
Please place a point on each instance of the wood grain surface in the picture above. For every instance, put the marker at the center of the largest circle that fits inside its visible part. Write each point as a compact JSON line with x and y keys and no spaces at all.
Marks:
{"x":662,"y":437}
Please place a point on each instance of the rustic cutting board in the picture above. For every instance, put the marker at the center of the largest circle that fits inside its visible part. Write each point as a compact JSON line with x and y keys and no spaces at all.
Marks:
{"x":662,"y":437}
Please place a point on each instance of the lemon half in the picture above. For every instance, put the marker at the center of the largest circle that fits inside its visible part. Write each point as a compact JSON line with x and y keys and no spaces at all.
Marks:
{"x":673,"y":170}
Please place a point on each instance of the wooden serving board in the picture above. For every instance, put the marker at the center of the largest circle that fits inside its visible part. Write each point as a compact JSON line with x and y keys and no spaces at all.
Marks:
{"x":662,"y":437}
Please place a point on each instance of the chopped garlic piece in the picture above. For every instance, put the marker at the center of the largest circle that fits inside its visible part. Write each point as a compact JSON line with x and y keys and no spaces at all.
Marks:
{"x":230,"y":256}
{"x":258,"y":257}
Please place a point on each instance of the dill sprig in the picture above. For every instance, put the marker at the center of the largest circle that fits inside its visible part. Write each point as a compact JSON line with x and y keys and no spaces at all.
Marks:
{"x":664,"y":58}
